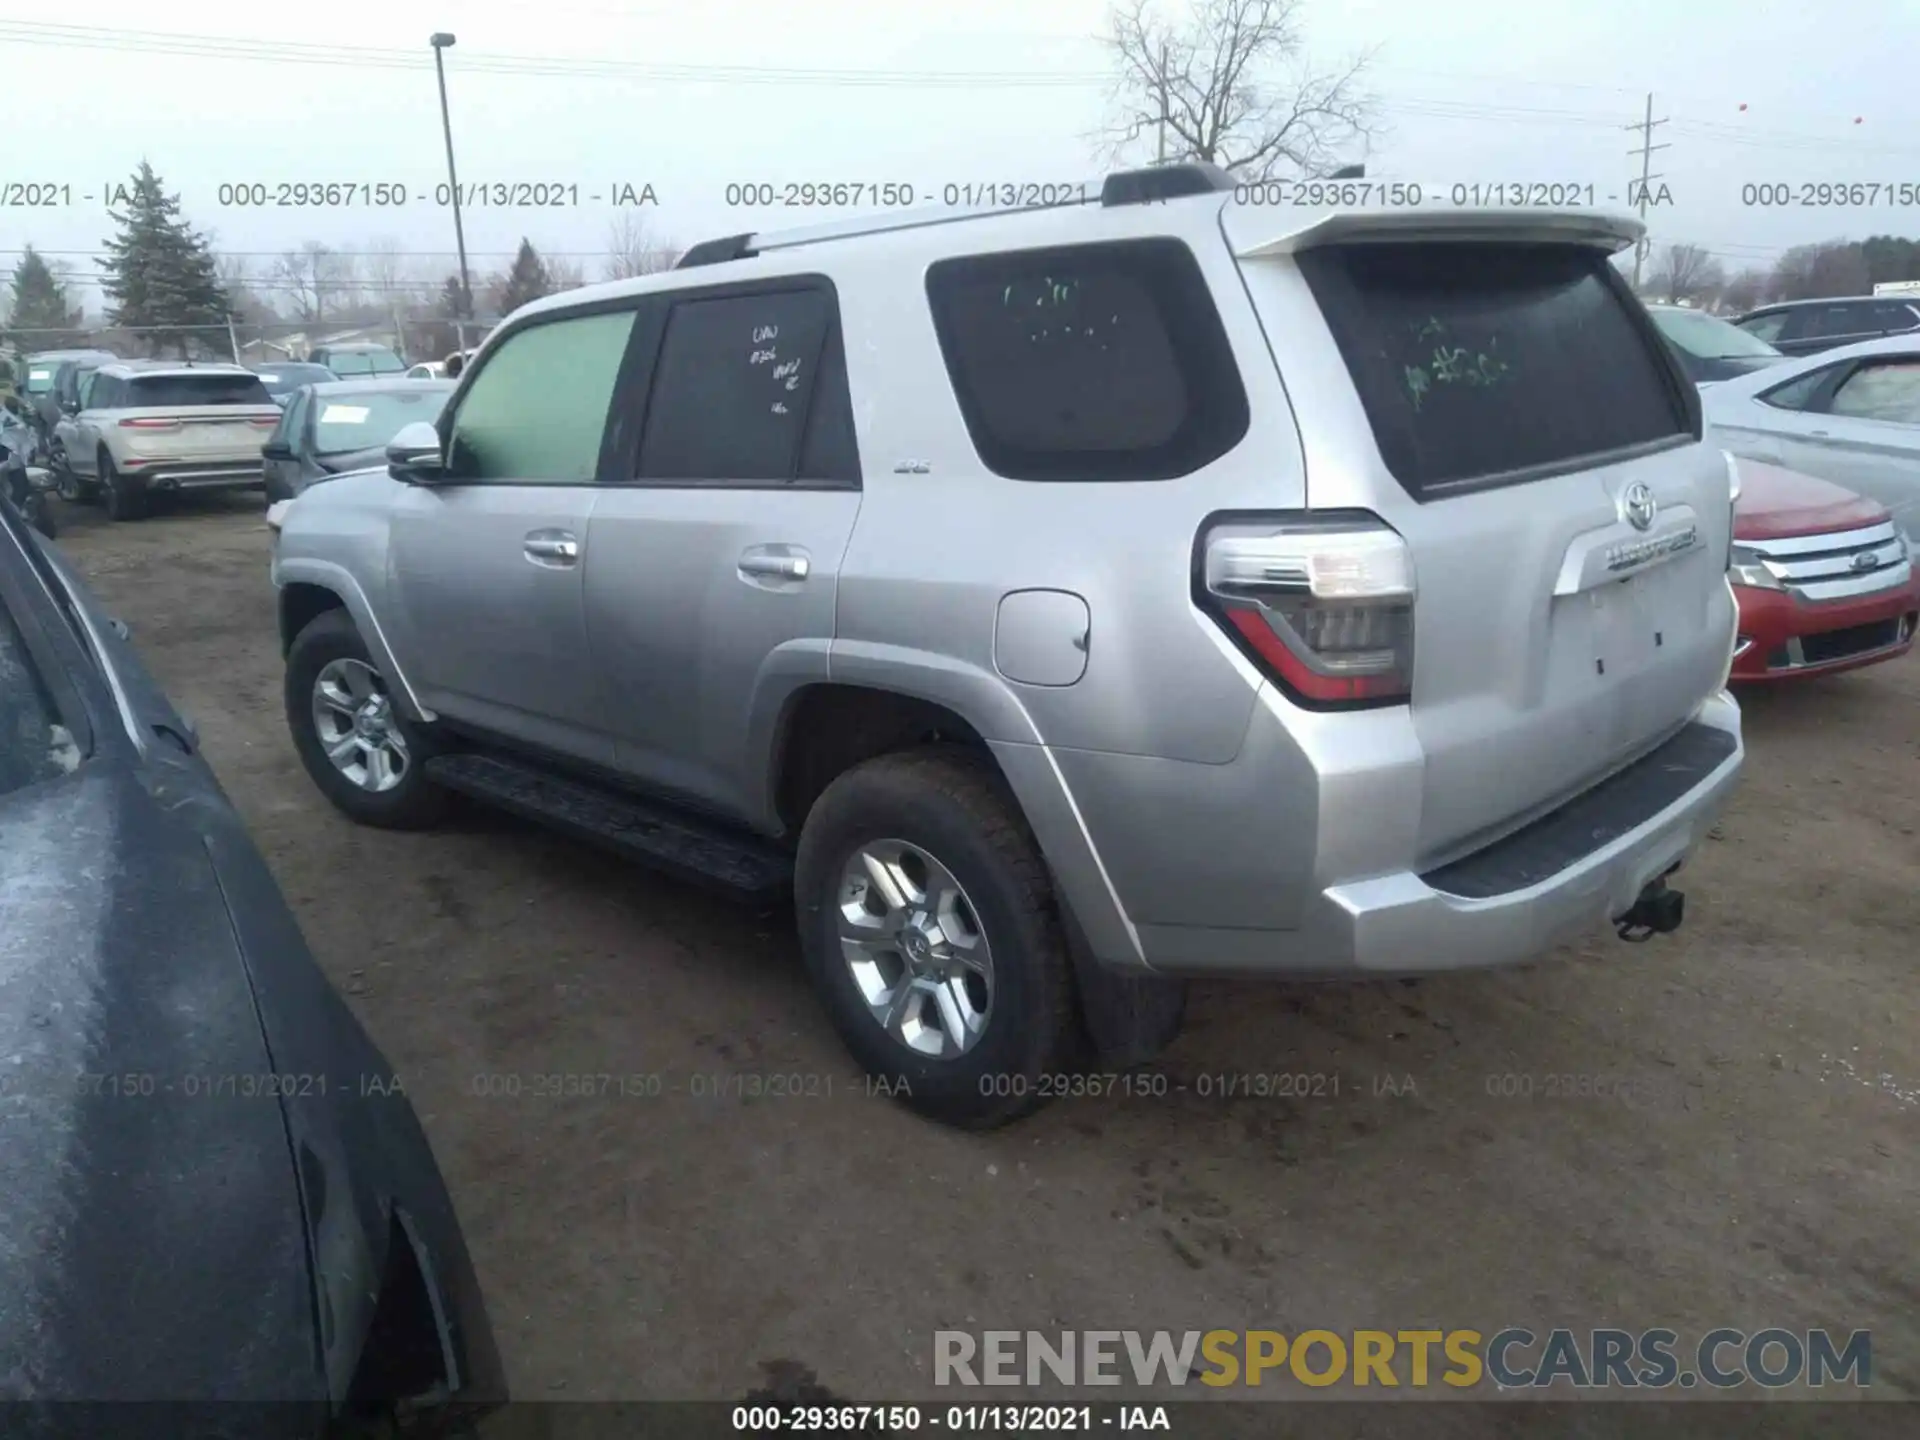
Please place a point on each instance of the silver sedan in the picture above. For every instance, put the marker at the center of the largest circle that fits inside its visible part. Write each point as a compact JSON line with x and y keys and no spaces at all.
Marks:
{"x":1850,"y":415}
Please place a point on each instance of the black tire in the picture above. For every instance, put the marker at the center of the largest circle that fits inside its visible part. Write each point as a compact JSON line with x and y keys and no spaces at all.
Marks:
{"x":953,"y":804}
{"x":413,"y":804}
{"x":124,"y":499}
{"x":73,"y":489}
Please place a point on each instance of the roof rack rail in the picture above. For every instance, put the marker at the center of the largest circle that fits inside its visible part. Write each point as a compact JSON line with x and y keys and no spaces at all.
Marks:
{"x":1164,"y":182}
{"x":718,"y":252}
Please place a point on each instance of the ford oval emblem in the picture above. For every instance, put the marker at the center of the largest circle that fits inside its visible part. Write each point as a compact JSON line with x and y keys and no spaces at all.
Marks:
{"x":1865,"y":560}
{"x":1637,"y":505}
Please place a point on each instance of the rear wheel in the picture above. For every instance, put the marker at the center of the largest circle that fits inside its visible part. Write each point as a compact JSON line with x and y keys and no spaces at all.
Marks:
{"x":125,"y":500}
{"x":928,"y":923}
{"x":365,"y":757}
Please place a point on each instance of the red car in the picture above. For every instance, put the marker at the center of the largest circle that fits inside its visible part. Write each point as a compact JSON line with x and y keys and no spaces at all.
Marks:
{"x":1823,"y":576}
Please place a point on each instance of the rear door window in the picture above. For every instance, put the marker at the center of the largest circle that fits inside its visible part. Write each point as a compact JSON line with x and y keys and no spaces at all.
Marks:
{"x":1480,"y":363}
{"x":213,"y":388}
{"x":1886,"y":390}
{"x":733,"y":389}
{"x":1089,"y":362}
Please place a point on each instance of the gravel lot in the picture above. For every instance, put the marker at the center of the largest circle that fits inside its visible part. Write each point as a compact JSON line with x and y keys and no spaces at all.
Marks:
{"x":1761,"y":1168}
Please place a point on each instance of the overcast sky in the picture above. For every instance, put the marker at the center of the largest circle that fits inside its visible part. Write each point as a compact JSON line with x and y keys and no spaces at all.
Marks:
{"x":1470,"y":90}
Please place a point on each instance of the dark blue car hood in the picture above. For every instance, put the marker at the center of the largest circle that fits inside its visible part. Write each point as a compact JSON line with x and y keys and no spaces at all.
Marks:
{"x":151,"y":1239}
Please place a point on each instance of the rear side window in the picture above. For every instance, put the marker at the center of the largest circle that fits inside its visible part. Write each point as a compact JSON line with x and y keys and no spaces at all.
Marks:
{"x":1828,"y":322}
{"x":1490,"y":362}
{"x":1881,"y":390}
{"x":210,"y":389}
{"x":1089,"y":362}
{"x":1798,"y":394}
{"x":537,"y":410}
{"x":734,"y":388}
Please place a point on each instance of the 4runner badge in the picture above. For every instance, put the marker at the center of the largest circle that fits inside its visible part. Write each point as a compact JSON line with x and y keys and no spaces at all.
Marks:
{"x":1637,"y":505}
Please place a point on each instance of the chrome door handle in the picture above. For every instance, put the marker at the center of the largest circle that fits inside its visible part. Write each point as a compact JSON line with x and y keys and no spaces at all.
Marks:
{"x":554,"y":545}
{"x":781,"y":567}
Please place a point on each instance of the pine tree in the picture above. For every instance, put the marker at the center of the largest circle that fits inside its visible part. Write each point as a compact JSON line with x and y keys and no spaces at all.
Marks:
{"x":527,"y":280}
{"x":161,"y":276}
{"x":38,"y":315}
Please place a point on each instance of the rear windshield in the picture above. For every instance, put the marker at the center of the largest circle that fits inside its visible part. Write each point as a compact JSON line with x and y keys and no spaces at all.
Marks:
{"x":345,"y":423}
{"x":39,"y":379}
{"x":285,"y":378}
{"x":211,"y":389}
{"x":365,"y":362}
{"x":1477,"y":360}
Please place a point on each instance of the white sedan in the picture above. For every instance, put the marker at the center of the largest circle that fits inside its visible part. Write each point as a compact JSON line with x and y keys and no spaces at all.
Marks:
{"x":1850,"y":415}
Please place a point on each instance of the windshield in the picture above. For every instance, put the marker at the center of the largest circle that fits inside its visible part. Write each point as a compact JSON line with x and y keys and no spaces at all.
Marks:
{"x":213,"y":388}
{"x":365,"y":362}
{"x":369,"y":420}
{"x":1710,"y":337}
{"x":283,"y":379}
{"x":34,"y":745}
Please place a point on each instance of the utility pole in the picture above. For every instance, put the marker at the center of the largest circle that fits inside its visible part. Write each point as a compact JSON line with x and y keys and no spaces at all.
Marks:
{"x":1162,"y":87}
{"x":1645,"y":152}
{"x":440,"y":42}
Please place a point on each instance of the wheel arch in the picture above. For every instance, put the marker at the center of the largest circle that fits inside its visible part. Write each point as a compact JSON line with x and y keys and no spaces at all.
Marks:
{"x":309,"y":589}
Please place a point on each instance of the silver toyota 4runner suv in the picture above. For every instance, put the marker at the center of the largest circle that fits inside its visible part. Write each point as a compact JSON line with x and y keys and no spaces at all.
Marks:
{"x":1063,"y":603}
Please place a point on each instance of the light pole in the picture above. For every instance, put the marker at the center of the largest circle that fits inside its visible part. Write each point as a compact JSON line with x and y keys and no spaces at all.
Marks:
{"x":440,"y":41}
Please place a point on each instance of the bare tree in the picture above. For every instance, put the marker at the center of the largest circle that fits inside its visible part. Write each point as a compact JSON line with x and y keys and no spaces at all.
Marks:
{"x":565,"y":273}
{"x":1685,"y":274}
{"x":1813,"y":272}
{"x":1745,"y":290}
{"x":1231,"y":84}
{"x":388,"y":274}
{"x":632,"y":249}
{"x":311,"y":278}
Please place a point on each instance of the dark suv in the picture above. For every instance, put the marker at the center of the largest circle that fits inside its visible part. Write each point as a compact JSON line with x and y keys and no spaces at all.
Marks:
{"x":1804,"y":327}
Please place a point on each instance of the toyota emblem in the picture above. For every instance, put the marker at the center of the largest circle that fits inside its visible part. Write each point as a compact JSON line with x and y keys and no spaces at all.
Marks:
{"x":1637,"y":505}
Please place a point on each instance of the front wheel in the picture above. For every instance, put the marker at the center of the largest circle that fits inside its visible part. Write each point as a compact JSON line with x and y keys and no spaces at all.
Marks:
{"x":365,"y":757}
{"x":928,"y":922}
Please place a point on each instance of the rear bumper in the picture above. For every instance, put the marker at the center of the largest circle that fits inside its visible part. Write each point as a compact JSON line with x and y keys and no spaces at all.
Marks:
{"x":165,"y":475}
{"x":1785,"y":638}
{"x":1189,"y":875}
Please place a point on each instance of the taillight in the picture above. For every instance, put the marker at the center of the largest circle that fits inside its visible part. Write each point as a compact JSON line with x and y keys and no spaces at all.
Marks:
{"x":1324,"y":605}
{"x":149,"y":423}
{"x":267,"y":422}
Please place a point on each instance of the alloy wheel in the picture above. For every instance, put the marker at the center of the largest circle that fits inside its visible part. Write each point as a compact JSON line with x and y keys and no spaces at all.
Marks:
{"x":353,"y":717}
{"x":914,"y":946}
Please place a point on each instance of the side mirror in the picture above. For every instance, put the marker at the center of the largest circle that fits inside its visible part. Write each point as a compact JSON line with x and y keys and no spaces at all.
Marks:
{"x":414,"y":457}
{"x":277,"y":450}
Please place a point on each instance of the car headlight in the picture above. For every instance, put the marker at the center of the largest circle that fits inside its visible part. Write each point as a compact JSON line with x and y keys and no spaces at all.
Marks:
{"x":1745,"y":566}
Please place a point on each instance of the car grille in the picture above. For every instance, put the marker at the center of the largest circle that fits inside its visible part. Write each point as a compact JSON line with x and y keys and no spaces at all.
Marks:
{"x":1840,"y":566}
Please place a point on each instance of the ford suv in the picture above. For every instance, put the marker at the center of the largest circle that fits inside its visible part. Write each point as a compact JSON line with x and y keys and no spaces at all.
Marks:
{"x":1062,"y":603}
{"x":155,"y":427}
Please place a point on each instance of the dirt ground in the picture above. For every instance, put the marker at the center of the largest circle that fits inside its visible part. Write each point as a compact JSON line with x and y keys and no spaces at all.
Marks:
{"x":1761,"y":1170}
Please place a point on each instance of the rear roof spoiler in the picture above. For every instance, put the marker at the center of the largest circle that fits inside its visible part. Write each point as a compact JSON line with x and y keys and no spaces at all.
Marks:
{"x":1598,"y":228}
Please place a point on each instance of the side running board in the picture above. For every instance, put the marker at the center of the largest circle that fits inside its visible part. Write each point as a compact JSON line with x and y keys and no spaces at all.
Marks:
{"x":686,"y":846}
